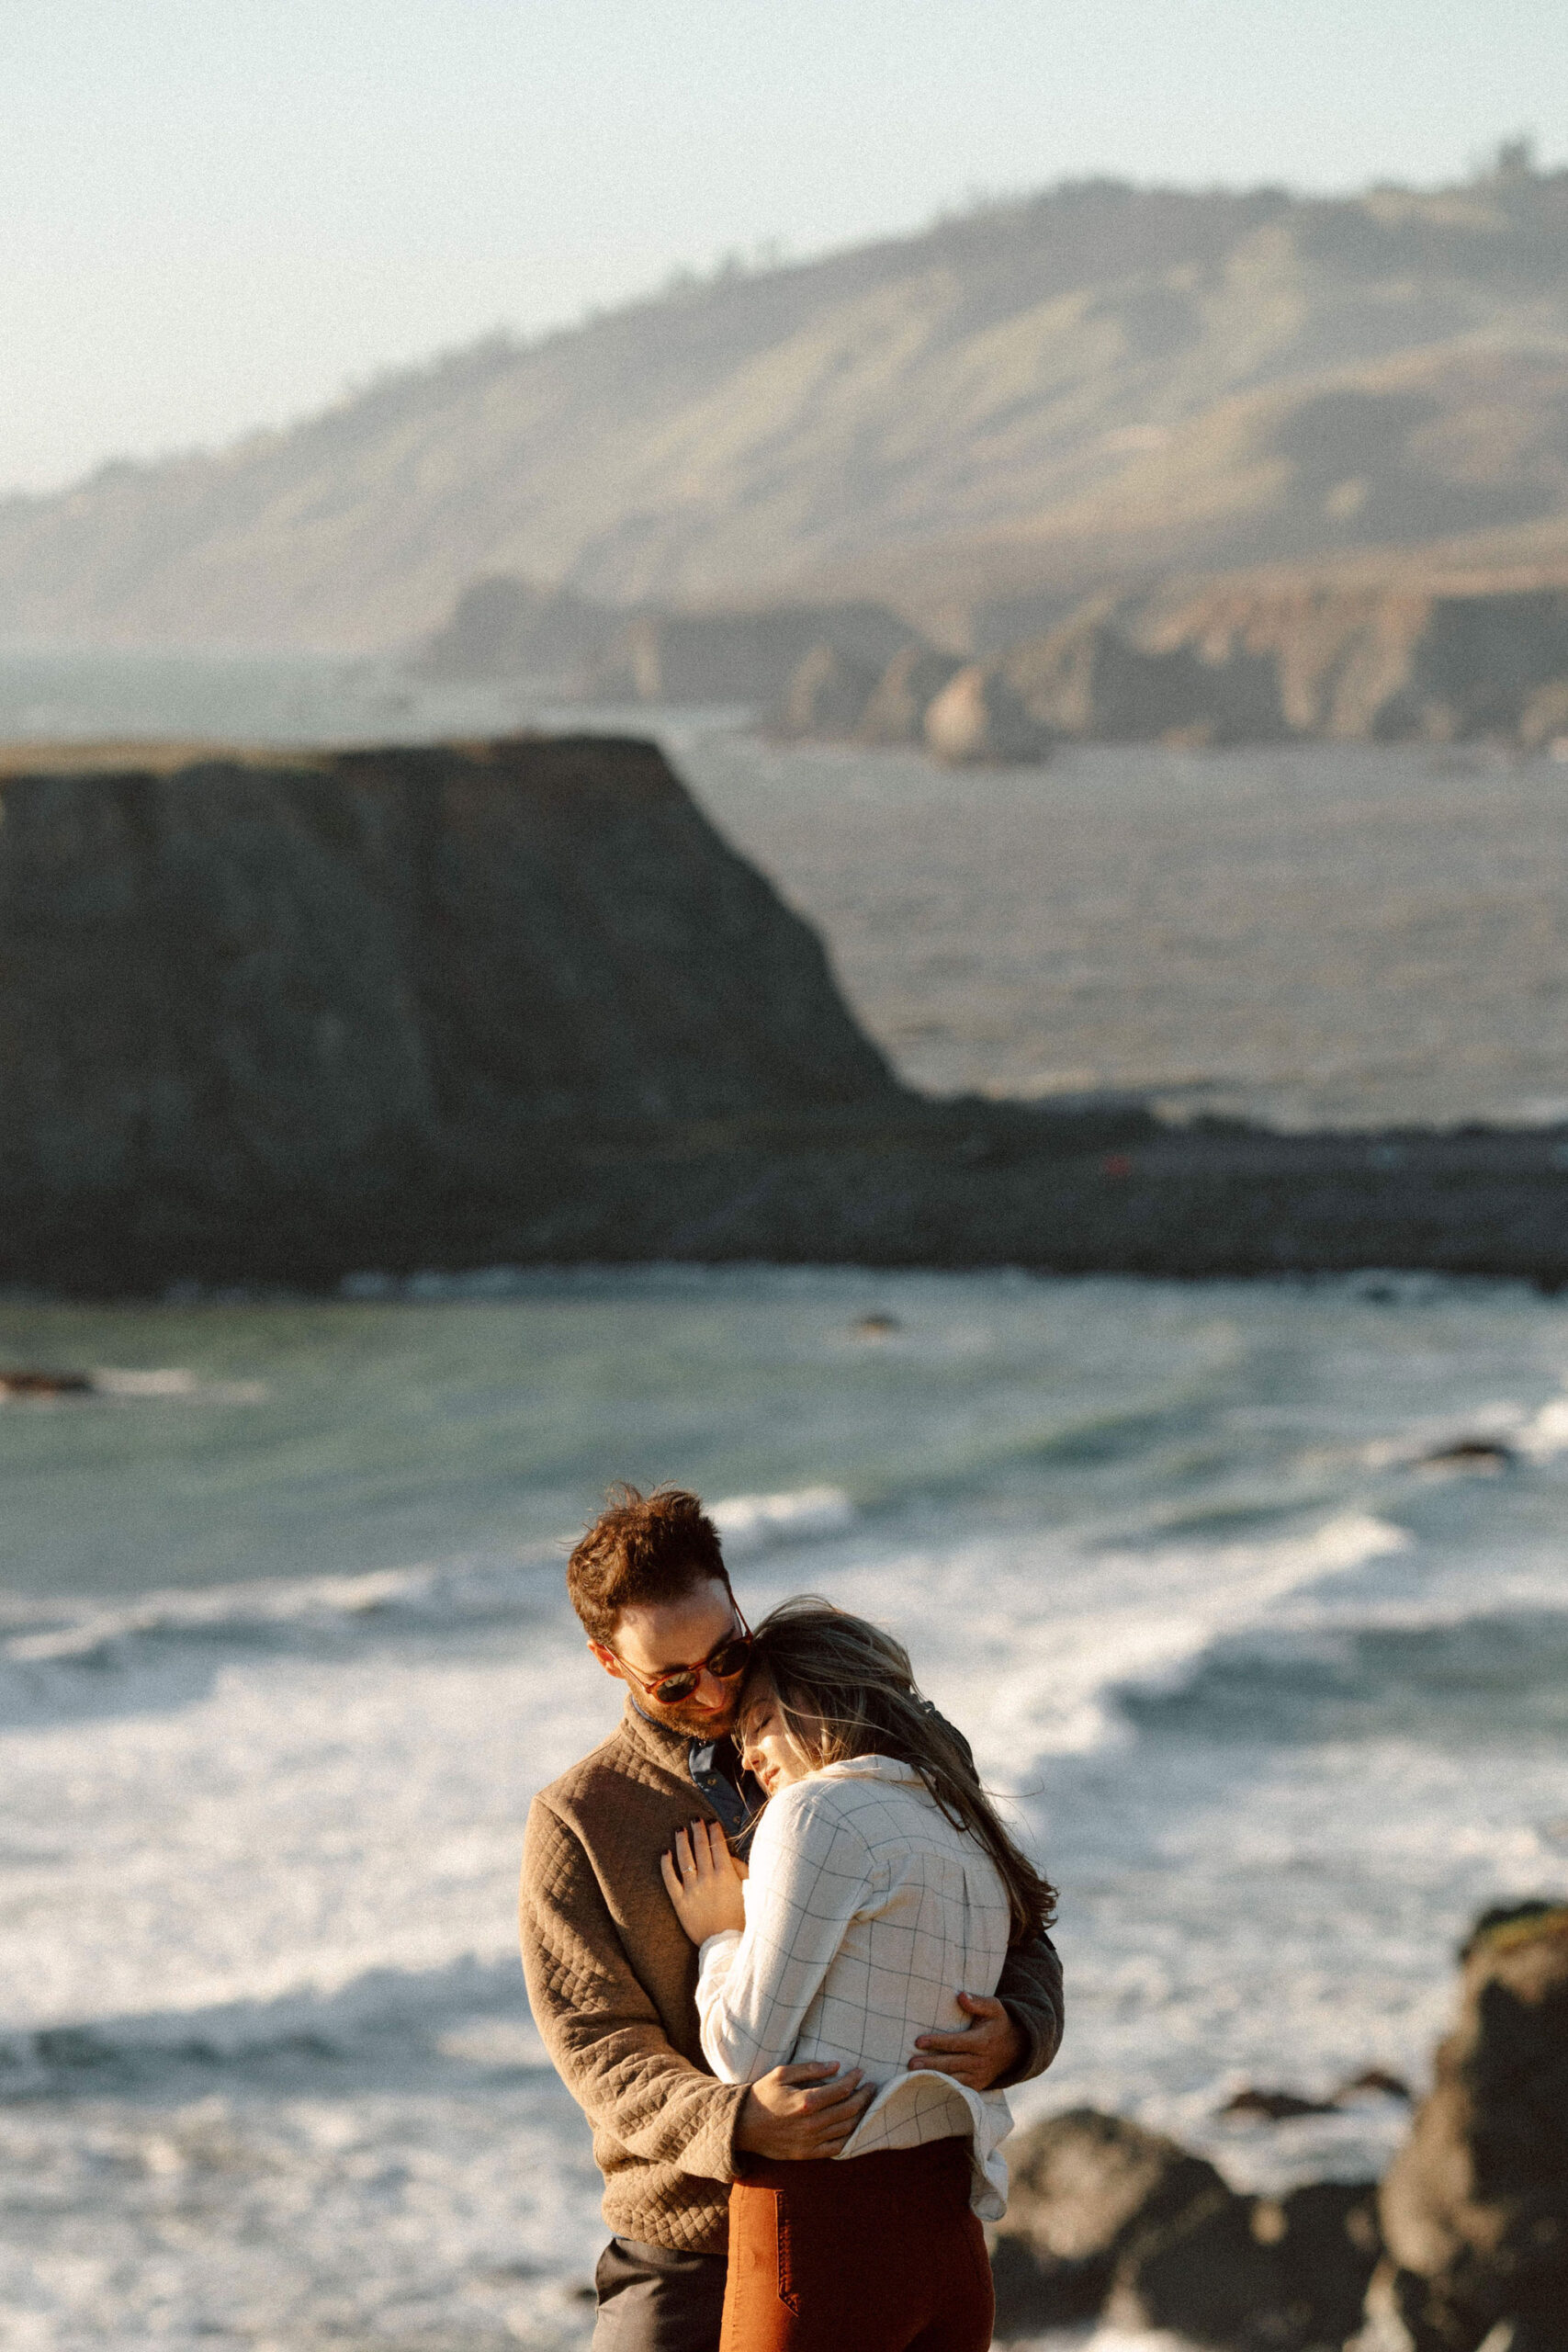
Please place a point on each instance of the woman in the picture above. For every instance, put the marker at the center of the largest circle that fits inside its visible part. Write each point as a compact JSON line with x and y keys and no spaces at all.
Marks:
{"x":882,"y":1885}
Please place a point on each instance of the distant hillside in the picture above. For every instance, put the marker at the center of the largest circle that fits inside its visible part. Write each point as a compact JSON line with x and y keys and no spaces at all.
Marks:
{"x":1101,"y":383}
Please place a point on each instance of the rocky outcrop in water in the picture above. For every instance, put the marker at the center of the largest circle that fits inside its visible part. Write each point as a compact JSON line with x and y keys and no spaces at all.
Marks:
{"x":1475,"y":2206}
{"x":1465,"y":2242}
{"x":906,"y":691}
{"x":1246,"y":660}
{"x":1106,"y":2218}
{"x":825,"y":696}
{"x":813,"y":666}
{"x":979,"y":718}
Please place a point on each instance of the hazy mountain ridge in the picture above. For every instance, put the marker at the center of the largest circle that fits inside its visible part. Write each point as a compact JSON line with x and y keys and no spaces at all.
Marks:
{"x":1101,"y":382}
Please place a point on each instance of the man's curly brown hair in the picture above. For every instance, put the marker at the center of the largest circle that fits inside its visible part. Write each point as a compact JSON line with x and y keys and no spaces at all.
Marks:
{"x":640,"y":1551}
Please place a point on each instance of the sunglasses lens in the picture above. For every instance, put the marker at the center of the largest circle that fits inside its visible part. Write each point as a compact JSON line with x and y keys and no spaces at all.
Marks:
{"x":670,"y":1689}
{"x":730,"y":1660}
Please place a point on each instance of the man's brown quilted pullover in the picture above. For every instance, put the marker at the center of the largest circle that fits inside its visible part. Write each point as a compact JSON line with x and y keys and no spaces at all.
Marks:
{"x":612,"y":1980}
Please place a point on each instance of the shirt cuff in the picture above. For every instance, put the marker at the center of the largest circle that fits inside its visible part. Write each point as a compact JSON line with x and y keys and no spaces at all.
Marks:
{"x":712,"y":1947}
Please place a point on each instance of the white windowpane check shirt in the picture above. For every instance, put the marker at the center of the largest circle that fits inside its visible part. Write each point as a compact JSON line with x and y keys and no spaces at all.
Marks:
{"x":867,"y":1913}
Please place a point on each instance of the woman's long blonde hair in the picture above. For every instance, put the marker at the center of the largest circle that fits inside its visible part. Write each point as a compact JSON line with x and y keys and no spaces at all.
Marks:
{"x":844,"y":1687}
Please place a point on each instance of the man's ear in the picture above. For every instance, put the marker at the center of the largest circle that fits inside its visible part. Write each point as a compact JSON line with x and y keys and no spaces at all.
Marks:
{"x":608,"y":1660}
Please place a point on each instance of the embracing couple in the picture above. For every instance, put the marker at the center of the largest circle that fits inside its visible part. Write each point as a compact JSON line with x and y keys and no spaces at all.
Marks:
{"x":787,"y":1959}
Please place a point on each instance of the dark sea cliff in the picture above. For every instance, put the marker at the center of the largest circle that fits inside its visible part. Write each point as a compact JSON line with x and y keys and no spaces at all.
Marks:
{"x":294,"y":1017}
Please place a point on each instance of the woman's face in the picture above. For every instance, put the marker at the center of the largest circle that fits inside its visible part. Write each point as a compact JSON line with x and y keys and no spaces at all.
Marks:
{"x":768,"y":1750}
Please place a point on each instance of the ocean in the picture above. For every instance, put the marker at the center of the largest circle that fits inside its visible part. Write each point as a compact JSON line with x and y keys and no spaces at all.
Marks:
{"x":1280,"y":1700}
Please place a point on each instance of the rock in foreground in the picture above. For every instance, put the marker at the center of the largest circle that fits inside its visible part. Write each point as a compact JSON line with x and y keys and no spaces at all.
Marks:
{"x":1465,"y":2244}
{"x":1107,"y":2217}
{"x":1475,"y":2205}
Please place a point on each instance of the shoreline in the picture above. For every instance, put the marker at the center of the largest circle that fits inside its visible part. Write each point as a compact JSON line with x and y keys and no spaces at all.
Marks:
{"x":933,"y":1186}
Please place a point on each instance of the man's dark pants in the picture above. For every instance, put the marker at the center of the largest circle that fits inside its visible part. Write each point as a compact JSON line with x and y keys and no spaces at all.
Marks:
{"x":654,"y":2299}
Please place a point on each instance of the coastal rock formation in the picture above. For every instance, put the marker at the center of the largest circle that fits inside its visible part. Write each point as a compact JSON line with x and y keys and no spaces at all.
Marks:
{"x":1249,"y":662}
{"x":745,"y":654}
{"x":1386,"y":665}
{"x":289,"y":1018}
{"x":506,"y":627}
{"x":1107,"y":2217}
{"x":826,"y":695}
{"x":980,"y":718}
{"x":1091,"y":677}
{"x":1245,"y":661}
{"x":298,"y":1012}
{"x":1475,"y":2206}
{"x":906,"y":691}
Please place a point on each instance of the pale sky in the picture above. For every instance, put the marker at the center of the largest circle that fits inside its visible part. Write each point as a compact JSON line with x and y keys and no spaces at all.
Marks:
{"x":220,"y":213}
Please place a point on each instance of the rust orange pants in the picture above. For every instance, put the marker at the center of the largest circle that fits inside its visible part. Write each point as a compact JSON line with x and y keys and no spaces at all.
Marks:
{"x":875,"y":2253}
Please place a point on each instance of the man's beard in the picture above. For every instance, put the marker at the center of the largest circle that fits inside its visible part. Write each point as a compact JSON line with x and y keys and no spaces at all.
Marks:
{"x":694,"y":1723}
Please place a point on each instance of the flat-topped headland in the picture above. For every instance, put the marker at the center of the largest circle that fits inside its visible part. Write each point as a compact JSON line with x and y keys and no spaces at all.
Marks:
{"x":273,"y":1017}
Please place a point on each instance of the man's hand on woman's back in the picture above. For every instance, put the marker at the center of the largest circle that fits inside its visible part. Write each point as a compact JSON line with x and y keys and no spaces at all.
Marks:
{"x":981,"y":2054}
{"x":796,"y":2113}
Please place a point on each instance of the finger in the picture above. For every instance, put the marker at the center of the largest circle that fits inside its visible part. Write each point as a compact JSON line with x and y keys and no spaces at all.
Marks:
{"x":955,"y":2069}
{"x":981,"y":2004}
{"x":702,"y":1860}
{"x":810,"y":2070}
{"x":834,"y":2130}
{"x":832,"y":2095}
{"x":952,"y":2045}
{"x":683,"y":1859}
{"x":836,"y":2102}
{"x":672,"y":1884}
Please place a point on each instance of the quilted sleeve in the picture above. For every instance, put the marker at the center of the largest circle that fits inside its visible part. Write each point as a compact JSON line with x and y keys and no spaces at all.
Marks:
{"x":1029,"y":1989}
{"x":601,"y":2029}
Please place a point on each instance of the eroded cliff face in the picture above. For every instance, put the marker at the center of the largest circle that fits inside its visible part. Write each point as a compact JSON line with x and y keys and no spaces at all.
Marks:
{"x":1248,"y":662}
{"x":357,"y":994}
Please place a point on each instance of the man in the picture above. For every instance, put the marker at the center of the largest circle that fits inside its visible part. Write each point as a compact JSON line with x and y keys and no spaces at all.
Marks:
{"x":612,"y":1975}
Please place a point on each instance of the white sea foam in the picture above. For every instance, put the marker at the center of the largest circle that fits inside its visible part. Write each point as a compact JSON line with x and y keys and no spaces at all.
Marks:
{"x":751,"y":1523}
{"x":1031,"y":1641}
{"x":1545,"y":1433}
{"x":202,"y":1627}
